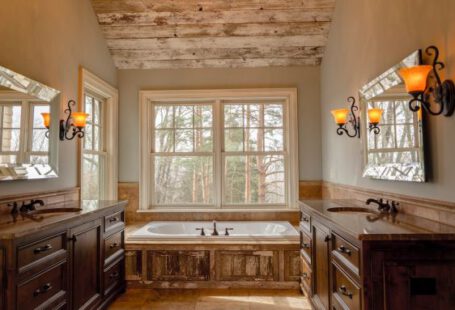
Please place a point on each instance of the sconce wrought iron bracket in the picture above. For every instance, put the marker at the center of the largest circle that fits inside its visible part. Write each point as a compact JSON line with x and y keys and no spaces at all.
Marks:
{"x":374,"y":128}
{"x":67,"y":125}
{"x":443,"y":93}
{"x":353,"y":120}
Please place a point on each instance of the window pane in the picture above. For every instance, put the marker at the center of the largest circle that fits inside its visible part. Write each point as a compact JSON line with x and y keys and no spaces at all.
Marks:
{"x":164,"y":140}
{"x":97,"y":138}
{"x":274,"y":139}
{"x":183,"y":179}
{"x":11,"y":116}
{"x":40,"y":143}
{"x":37,"y":117}
{"x":203,"y":140}
{"x":8,"y":159}
{"x":88,"y":137}
{"x":255,"y":141}
{"x":164,"y":116}
{"x":10,"y":140}
{"x":233,"y":115}
{"x":92,"y":175}
{"x":385,"y":139}
{"x":203,"y":116}
{"x":405,"y":136}
{"x":253,"y":115}
{"x":184,"y":140}
{"x":254,"y":179}
{"x":403,"y":113}
{"x":184,"y":116}
{"x":39,"y":160}
{"x":273,"y":115}
{"x":233,"y":140}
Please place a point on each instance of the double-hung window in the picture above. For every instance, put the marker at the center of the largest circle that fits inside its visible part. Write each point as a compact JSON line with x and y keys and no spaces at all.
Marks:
{"x":219,"y":149}
{"x":22,"y":132}
{"x":93,"y":153}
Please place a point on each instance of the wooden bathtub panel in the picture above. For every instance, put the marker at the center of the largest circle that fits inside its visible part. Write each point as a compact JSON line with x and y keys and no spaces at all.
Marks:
{"x":178,"y":265}
{"x":247,"y":265}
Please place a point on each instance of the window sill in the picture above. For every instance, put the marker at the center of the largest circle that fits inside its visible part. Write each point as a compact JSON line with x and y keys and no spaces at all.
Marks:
{"x":250,"y":210}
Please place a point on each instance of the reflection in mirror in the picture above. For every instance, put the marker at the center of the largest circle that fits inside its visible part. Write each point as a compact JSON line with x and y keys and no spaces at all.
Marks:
{"x":396,"y":153}
{"x":25,"y":150}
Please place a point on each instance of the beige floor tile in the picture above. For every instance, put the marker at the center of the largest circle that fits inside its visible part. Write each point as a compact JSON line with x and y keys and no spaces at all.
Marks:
{"x":227,"y":305}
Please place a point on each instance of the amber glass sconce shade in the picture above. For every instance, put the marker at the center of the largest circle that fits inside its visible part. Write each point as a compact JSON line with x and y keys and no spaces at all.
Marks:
{"x":374,"y":118}
{"x":343,"y":119}
{"x":75,"y":121}
{"x":442,"y":94}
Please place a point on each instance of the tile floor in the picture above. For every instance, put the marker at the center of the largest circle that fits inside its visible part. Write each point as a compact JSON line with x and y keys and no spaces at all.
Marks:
{"x":211,"y":300}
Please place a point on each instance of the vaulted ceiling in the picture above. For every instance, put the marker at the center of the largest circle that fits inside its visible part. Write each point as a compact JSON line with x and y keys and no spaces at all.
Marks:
{"x":145,"y":34}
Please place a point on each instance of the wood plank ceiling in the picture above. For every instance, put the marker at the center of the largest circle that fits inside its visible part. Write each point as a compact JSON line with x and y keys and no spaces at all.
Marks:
{"x":146,"y":34}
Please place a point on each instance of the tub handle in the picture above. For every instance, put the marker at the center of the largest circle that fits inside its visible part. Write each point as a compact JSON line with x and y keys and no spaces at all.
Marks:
{"x":227,"y":231}
{"x":202,"y":231}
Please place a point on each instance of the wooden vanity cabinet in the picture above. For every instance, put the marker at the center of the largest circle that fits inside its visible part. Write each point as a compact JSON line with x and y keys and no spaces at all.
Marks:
{"x":75,"y":264}
{"x":346,"y":273}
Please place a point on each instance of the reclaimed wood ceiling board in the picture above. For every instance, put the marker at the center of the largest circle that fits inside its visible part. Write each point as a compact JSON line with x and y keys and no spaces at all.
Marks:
{"x":149,"y":34}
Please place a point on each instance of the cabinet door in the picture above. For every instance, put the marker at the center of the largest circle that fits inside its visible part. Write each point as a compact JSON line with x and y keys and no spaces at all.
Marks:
{"x":86,"y":268}
{"x":321,"y":238}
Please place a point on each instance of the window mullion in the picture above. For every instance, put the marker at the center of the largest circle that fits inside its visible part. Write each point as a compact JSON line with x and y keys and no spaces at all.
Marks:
{"x":218,"y":145}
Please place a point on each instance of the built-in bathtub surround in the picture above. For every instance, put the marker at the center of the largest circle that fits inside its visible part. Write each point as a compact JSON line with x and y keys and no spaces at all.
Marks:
{"x":215,"y":232}
{"x":175,"y":255}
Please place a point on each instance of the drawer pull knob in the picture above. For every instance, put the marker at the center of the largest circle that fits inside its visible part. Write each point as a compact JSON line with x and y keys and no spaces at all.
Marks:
{"x":42,"y":249}
{"x":305,"y":219}
{"x":343,"y":290}
{"x":73,"y":238}
{"x":305,"y":275}
{"x":46,"y":287}
{"x":306,"y":245}
{"x":112,"y":220}
{"x":327,"y":238}
{"x":114,"y":245}
{"x":343,"y":249}
{"x":114,"y":275}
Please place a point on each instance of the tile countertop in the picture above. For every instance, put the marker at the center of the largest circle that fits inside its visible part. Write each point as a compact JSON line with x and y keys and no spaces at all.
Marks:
{"x":374,"y":226}
{"x":23,"y":226}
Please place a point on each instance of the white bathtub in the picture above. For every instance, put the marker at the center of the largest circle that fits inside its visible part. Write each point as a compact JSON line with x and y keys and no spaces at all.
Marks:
{"x":251,"y":231}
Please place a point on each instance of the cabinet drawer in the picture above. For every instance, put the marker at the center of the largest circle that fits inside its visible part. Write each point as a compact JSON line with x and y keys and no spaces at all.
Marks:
{"x":344,"y":290}
{"x":305,"y":246}
{"x":113,"y":246}
{"x":113,"y":277}
{"x":43,"y":250}
{"x":113,"y":221}
{"x":44,"y":290}
{"x":306,"y":275}
{"x":305,"y":221}
{"x":347,"y":253}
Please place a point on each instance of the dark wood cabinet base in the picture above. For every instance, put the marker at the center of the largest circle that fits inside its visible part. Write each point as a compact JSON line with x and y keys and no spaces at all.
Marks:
{"x":73,"y":264}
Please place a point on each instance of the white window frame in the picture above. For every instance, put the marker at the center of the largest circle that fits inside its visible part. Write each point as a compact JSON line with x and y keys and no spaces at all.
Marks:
{"x":95,"y":86}
{"x":287,"y":95}
{"x":26,"y":102}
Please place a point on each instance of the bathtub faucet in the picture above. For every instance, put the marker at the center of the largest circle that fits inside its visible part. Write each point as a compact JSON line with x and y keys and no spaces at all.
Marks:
{"x":215,"y":232}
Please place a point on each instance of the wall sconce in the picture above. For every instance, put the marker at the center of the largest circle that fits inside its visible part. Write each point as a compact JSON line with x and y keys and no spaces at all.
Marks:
{"x":75,"y":120}
{"x":374,"y":118}
{"x":341,"y":118}
{"x":443,"y":93}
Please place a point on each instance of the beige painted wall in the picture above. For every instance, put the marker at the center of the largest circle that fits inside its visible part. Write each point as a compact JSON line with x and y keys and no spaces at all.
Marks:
{"x":306,"y":79}
{"x":368,"y":37}
{"x":47,"y":40}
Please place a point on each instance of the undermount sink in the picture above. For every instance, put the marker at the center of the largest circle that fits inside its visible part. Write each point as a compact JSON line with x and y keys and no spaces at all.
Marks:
{"x":350,"y":209}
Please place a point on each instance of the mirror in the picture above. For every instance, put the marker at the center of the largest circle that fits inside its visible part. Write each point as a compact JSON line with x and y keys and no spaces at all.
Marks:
{"x":396,"y":153}
{"x":28,"y":150}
